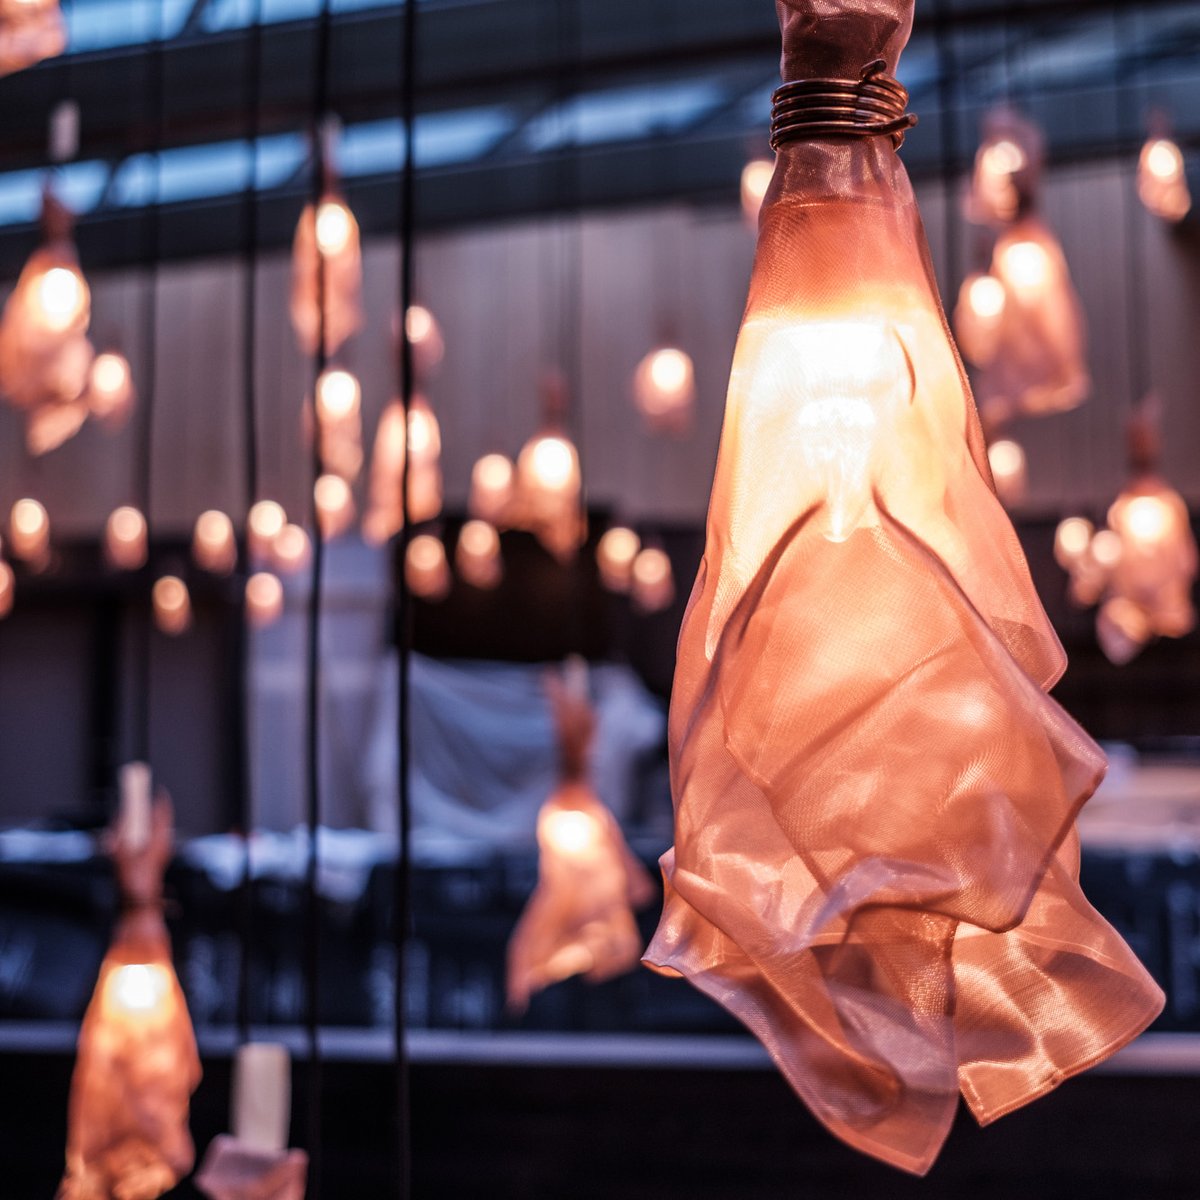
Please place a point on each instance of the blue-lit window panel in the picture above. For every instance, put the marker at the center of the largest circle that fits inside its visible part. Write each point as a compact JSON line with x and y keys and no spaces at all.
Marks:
{"x":237,"y":14}
{"x":103,"y":24}
{"x":187,"y":173}
{"x":20,"y":196}
{"x":79,"y":185}
{"x":622,"y":115}
{"x":279,"y":157}
{"x":918,"y":69}
{"x":442,"y":139}
{"x":371,"y":148}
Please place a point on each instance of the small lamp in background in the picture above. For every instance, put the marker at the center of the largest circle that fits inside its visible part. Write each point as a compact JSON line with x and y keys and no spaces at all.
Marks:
{"x":214,"y":543}
{"x":126,"y":539}
{"x":756,"y":178}
{"x":477,"y":555}
{"x":425,"y":337}
{"x":664,"y":389}
{"x":291,"y":550}
{"x":491,"y":494}
{"x":653,"y":583}
{"x":29,"y":532}
{"x":385,"y":513}
{"x":1162,"y":179}
{"x":339,"y":422}
{"x":978,"y":316}
{"x":548,"y":491}
{"x":335,"y":506}
{"x":1007,"y":460}
{"x":615,"y":555}
{"x":426,"y":569}
{"x":1008,"y":167}
{"x":264,"y":523}
{"x":8,"y":589}
{"x":264,"y":599}
{"x":110,"y":394}
{"x":326,"y":261}
{"x":172,"y":605}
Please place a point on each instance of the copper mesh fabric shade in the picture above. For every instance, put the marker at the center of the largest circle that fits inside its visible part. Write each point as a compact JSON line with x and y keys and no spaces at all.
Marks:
{"x":30,"y":30}
{"x":137,"y":1064}
{"x":875,"y":865}
{"x":327,"y":231}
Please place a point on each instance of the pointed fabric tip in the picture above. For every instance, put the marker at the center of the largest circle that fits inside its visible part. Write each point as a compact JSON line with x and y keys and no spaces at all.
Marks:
{"x":875,"y":864}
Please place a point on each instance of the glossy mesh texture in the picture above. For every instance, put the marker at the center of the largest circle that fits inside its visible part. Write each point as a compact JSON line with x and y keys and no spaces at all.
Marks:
{"x":875,"y":866}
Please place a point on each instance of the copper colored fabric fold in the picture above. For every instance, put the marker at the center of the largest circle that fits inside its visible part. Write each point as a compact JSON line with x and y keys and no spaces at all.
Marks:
{"x":137,"y":1064}
{"x":329,"y":232}
{"x":875,"y":866}
{"x":235,"y":1171}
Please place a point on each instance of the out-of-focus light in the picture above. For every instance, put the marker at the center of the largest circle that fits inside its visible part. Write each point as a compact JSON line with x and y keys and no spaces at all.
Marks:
{"x":214,"y":544}
{"x":425,"y":337}
{"x":335,"y":505}
{"x":571,"y":832}
{"x":62,"y":298}
{"x":8,"y":589}
{"x":1148,"y":520}
{"x":1106,"y":548}
{"x":335,"y":226}
{"x":172,"y":605}
{"x":552,"y":462}
{"x":1007,"y":460}
{"x":1071,"y":540}
{"x":1025,"y":267}
{"x":291,"y":549}
{"x":264,"y":523}
{"x":664,"y":388}
{"x":653,"y":583}
{"x":426,"y":569}
{"x":615,"y":554}
{"x":338,"y":395}
{"x":1003,"y":157}
{"x":110,"y":386}
{"x":137,"y":991}
{"x":264,"y":598}
{"x":491,"y":488}
{"x":477,"y":554}
{"x":986,"y":296}
{"x":29,"y":531}
{"x":126,"y":540}
{"x":756,"y":178}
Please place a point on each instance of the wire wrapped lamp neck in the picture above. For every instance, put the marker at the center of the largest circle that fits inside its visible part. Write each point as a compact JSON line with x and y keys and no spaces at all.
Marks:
{"x":871,"y":106}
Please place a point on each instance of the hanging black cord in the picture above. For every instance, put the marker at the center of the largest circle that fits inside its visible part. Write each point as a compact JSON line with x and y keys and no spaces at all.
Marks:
{"x":144,"y":467}
{"x":244,"y":788}
{"x":402,"y":901}
{"x":313,"y":693}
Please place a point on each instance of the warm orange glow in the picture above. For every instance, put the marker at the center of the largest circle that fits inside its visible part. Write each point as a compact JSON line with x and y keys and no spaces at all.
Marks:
{"x":1007,"y":460}
{"x":664,"y":388}
{"x":29,"y":531}
{"x":491,"y":492}
{"x":615,"y":553}
{"x":126,"y":541}
{"x":1106,"y":548}
{"x":426,"y":569}
{"x":62,"y":298}
{"x":548,"y":490}
{"x":335,"y":226}
{"x":1162,"y":180}
{"x":653,"y":584}
{"x":1071,"y":540}
{"x":110,"y":387}
{"x":477,"y":555}
{"x":214,"y":543}
{"x":291,"y":549}
{"x":264,"y":523}
{"x":1025,"y":267}
{"x":264,"y":598}
{"x":385,"y":515}
{"x":987,"y":296}
{"x":138,"y":992}
{"x":327,"y":264}
{"x":552,"y":463}
{"x":1002,"y":158}
{"x":335,"y":505}
{"x":425,"y":336}
{"x":756,"y":178}
{"x":172,"y":605}
{"x":8,"y":589}
{"x":571,"y":832}
{"x":338,"y":395}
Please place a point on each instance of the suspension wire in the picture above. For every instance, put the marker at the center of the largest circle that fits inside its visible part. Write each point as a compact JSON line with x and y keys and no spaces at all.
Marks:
{"x":144,"y":453}
{"x":243,"y":784}
{"x":312,"y":786}
{"x":402,"y":900}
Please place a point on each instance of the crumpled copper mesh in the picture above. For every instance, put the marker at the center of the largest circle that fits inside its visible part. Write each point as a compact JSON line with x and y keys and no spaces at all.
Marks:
{"x":1008,"y":168}
{"x":233,"y":1170}
{"x":875,"y":865}
{"x":30,"y":31}
{"x":137,"y":1063}
{"x":579,"y":920}
{"x":341,"y":286}
{"x":1031,"y":358}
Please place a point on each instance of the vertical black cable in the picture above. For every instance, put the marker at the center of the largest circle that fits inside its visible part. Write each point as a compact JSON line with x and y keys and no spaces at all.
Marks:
{"x":252,"y":99}
{"x":313,"y":635}
{"x":402,"y":901}
{"x":155,"y":125}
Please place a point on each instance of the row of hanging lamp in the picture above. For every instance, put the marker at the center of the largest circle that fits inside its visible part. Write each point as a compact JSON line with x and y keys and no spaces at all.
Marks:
{"x":875,"y":863}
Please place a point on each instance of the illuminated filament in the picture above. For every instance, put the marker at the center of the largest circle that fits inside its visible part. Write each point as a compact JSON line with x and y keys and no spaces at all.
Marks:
{"x":335,"y":227}
{"x":1026,"y":266}
{"x":1147,"y":520}
{"x":571,"y":832}
{"x":338,"y":395}
{"x":62,"y":298}
{"x":986,"y":297}
{"x":138,"y":990}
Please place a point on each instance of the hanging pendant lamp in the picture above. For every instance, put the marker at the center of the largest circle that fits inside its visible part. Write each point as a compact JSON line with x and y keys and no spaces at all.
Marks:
{"x":579,"y":920}
{"x":30,"y":31}
{"x":1162,"y":184}
{"x":385,"y":512}
{"x":875,"y":863}
{"x":137,"y":1064}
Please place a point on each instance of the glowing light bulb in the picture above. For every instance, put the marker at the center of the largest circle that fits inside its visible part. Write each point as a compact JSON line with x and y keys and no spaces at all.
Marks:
{"x":1106,"y":548}
{"x":138,"y":990}
{"x":1026,"y":266}
{"x":264,"y":598}
{"x":664,"y":387}
{"x":1147,"y":520}
{"x":126,"y":540}
{"x":756,"y":178}
{"x":986,"y":296}
{"x":338,"y":395}
{"x":1003,"y":158}
{"x":1164,"y":160}
{"x":264,"y":522}
{"x":571,"y":832}
{"x":8,"y":589}
{"x":491,"y":487}
{"x":1007,"y":461}
{"x":1071,"y":540}
{"x":335,"y":226}
{"x":477,"y":554}
{"x":425,"y":338}
{"x":291,"y":549}
{"x":652,"y":582}
{"x":214,"y":544}
{"x":424,"y":435}
{"x":29,"y":530}
{"x":61,"y":298}
{"x":552,"y":462}
{"x":110,"y":386}
{"x":335,"y":505}
{"x":426,"y":569}
{"x":615,"y":555}
{"x":172,"y":605}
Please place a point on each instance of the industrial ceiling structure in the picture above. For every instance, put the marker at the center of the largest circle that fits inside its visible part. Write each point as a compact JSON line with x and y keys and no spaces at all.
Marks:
{"x":525,"y":106}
